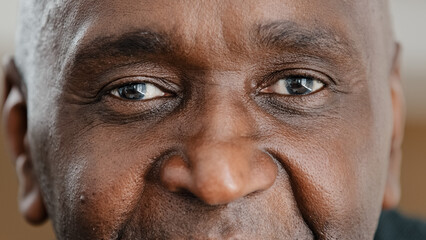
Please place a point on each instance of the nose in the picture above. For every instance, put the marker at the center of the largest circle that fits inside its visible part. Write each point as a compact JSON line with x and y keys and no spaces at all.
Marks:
{"x":219,"y":173}
{"x":221,"y":163}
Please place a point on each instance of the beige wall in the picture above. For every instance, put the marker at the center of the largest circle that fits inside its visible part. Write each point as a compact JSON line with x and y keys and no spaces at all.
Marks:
{"x":413,"y":173}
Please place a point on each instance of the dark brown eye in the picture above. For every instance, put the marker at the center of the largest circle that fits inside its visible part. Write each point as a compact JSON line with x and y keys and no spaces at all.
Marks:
{"x":295,"y":86}
{"x":137,"y":91}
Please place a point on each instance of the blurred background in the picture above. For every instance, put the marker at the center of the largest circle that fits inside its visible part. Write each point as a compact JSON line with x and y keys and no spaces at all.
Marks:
{"x":409,"y":21}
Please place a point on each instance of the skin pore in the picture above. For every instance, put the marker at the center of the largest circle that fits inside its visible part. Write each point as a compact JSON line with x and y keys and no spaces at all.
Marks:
{"x":206,"y":119}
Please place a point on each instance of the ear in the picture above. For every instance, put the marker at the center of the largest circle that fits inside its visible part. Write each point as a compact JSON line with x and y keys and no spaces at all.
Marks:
{"x":393,"y":189}
{"x":15,"y":120}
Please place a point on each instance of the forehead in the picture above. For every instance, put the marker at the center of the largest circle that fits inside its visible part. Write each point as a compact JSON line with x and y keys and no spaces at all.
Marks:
{"x":215,"y":28}
{"x":186,"y":16}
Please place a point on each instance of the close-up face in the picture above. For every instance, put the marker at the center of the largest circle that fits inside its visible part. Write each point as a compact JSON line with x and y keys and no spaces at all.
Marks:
{"x":210,"y":119}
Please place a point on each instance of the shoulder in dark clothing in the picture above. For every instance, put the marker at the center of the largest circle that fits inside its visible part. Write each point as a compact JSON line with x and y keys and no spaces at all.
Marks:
{"x":393,"y":225}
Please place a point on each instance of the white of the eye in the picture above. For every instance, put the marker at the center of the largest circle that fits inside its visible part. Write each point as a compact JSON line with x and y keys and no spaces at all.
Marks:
{"x":317,"y":85}
{"x":115,"y":92}
{"x":152,"y":92}
{"x":280,"y":87}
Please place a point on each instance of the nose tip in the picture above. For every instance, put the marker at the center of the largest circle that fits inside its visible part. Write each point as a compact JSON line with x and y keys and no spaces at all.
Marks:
{"x":219,"y":183}
{"x":219,"y":175}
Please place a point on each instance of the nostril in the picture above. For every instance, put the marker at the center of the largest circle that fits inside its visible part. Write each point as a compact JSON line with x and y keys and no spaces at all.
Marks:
{"x":184,"y":193}
{"x":175,"y":174}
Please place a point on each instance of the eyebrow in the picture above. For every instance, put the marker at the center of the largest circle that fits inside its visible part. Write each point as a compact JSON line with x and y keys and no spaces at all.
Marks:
{"x":102,"y":53}
{"x":129,"y":44}
{"x":291,"y":35}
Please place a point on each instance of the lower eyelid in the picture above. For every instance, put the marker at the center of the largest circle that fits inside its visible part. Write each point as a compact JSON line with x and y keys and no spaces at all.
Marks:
{"x":316,"y":102}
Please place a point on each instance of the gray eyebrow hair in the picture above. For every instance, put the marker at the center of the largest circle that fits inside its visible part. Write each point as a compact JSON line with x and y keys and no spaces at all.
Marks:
{"x":289,"y":34}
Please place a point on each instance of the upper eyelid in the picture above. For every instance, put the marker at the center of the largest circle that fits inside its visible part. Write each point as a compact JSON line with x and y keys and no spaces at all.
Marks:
{"x":305,"y":73}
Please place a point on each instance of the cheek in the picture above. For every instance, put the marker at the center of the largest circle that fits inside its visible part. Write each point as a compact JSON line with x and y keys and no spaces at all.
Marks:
{"x":336,"y":166}
{"x":105,"y":178}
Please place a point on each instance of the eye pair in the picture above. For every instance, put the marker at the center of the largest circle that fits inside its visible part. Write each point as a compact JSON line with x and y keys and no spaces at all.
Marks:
{"x":290,"y":86}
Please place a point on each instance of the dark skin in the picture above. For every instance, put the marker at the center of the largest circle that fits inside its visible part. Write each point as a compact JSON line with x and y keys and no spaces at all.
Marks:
{"x":258,"y":120}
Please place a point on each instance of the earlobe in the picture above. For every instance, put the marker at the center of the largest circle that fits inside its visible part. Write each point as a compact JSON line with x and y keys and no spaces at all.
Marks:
{"x":15,"y":120}
{"x":31,"y":203}
{"x":392,"y":190}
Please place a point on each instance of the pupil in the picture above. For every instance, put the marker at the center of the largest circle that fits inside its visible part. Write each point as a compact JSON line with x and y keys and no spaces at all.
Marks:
{"x":133,"y":91}
{"x":299,"y":86}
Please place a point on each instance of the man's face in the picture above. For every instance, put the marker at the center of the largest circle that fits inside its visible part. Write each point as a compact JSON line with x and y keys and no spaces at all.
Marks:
{"x":212,"y":119}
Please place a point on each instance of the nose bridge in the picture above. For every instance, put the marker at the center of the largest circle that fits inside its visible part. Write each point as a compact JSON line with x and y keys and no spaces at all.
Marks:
{"x":224,"y":116}
{"x":225,"y":122}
